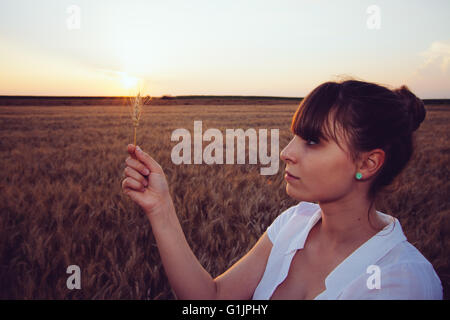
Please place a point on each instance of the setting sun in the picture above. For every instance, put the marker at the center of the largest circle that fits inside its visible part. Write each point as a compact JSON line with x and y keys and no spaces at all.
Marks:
{"x":127,"y":81}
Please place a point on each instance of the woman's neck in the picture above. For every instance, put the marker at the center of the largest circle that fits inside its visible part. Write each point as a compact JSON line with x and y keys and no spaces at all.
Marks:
{"x":346,"y":222}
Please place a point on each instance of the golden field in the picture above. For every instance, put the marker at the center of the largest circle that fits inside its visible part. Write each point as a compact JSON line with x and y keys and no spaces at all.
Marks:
{"x":61,"y":201}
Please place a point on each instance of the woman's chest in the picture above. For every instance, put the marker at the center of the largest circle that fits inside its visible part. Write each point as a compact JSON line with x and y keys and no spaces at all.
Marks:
{"x":306,"y":276}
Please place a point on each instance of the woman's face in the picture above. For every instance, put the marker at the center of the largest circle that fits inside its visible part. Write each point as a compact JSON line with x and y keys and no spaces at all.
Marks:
{"x":325,"y":172}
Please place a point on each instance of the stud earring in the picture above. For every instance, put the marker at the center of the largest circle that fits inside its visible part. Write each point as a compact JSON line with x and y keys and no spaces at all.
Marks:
{"x":358,"y":175}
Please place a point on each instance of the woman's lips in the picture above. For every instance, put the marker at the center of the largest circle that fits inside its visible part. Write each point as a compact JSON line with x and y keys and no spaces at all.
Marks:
{"x":289,"y":176}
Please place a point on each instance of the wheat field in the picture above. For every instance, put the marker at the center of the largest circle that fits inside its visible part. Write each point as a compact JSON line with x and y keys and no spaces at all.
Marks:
{"x":61,"y":201}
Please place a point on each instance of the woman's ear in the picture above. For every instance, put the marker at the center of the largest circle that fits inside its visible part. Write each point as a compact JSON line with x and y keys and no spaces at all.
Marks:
{"x":371,"y":162}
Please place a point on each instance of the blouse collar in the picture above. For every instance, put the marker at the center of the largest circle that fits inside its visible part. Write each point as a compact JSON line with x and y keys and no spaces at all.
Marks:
{"x":355,"y":264}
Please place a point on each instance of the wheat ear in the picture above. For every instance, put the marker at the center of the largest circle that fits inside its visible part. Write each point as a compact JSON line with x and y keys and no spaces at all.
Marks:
{"x":137,"y":104}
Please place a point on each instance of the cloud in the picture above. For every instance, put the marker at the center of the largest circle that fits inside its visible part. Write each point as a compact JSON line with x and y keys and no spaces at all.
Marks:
{"x":432,"y":78}
{"x":438,"y":54}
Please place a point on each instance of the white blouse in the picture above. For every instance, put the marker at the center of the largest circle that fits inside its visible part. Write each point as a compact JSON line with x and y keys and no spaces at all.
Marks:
{"x":386,"y":266}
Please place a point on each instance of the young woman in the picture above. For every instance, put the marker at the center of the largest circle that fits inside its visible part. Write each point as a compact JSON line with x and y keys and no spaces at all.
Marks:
{"x":350,"y":140}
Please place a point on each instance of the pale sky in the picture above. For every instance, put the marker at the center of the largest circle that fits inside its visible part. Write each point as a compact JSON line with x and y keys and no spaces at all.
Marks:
{"x":221,"y":47}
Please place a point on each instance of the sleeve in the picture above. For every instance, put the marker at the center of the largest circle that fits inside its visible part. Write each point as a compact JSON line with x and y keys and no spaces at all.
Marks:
{"x":405,"y":281}
{"x":274,"y":229}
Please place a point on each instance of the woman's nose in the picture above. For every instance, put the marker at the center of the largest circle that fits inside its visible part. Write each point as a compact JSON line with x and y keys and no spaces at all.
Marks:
{"x":286,"y":154}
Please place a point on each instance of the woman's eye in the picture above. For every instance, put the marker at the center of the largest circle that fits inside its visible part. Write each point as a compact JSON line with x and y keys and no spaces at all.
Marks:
{"x":311,"y":142}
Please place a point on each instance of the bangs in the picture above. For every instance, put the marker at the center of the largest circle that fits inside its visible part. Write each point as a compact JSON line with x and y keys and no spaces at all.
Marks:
{"x":312,"y":120}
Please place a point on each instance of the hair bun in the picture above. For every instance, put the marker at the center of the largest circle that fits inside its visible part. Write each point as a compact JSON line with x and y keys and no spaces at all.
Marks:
{"x":413,"y":105}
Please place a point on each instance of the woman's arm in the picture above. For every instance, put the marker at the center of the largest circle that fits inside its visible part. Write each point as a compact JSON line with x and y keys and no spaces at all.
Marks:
{"x":240,"y":281}
{"x":190,"y":280}
{"x":187,"y":277}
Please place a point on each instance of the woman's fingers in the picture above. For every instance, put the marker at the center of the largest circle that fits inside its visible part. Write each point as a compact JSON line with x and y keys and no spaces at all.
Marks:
{"x":130,"y":172}
{"x":130,"y":183}
{"x":131,"y":148}
{"x":148,"y":161}
{"x":143,"y":157}
{"x":138,"y":166}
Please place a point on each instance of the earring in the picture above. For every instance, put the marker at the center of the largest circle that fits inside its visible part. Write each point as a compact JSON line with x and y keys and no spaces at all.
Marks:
{"x":358,"y":175}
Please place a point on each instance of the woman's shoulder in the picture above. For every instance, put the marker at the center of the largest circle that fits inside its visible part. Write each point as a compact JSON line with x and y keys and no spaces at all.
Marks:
{"x":403,"y":253}
{"x":406,"y":267}
{"x":402,"y":270}
{"x":403,"y":273}
{"x":408,"y":253}
{"x":413,"y":280}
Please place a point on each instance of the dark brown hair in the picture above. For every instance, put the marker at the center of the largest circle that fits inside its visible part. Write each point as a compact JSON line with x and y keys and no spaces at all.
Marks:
{"x":371,"y":116}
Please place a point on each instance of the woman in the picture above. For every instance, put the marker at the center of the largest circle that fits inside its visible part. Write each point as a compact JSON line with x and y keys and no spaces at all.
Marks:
{"x":350,"y":140}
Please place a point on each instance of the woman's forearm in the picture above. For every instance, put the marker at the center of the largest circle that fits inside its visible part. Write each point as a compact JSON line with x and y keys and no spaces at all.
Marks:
{"x":187,"y":277}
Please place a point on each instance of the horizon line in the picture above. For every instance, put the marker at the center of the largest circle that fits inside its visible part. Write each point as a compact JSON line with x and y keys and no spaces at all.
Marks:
{"x":165,"y":96}
{"x":168,"y":97}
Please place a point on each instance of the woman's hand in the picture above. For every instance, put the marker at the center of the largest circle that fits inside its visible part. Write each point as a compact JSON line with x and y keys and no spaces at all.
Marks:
{"x":145,"y":182}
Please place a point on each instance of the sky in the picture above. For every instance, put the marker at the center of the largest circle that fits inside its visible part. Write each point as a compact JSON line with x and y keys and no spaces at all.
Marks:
{"x":221,"y":47}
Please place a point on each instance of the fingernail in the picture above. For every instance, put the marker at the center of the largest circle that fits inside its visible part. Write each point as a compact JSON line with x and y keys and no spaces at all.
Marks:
{"x":138,"y":149}
{"x":146,"y":171}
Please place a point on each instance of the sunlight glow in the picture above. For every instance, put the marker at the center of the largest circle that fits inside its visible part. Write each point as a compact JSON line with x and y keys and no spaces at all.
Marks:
{"x":127,"y":81}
